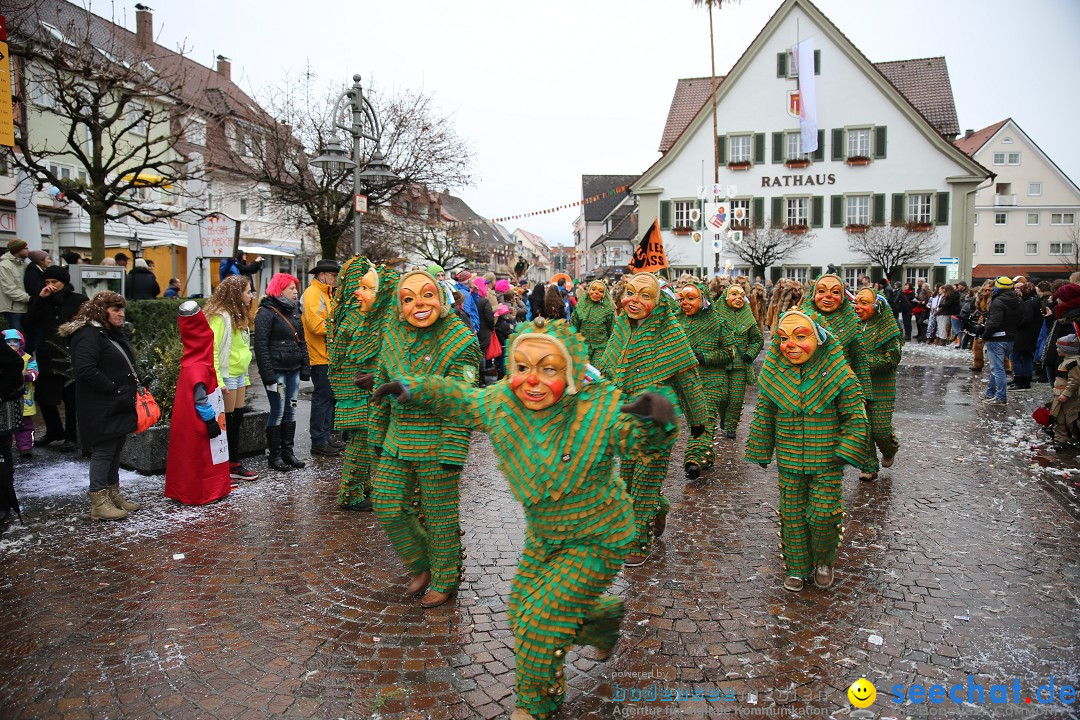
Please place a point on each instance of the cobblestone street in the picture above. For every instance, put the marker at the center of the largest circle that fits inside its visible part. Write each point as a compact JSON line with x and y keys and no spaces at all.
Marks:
{"x":962,"y":559}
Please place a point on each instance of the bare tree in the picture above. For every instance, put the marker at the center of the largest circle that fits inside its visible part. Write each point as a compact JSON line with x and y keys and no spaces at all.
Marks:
{"x":893,"y":246}
{"x":761,"y":247}
{"x":117,"y":108}
{"x":1071,"y":260}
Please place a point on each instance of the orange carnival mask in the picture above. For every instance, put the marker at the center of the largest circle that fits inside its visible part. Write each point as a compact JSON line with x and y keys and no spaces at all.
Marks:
{"x":641,"y":297}
{"x":689,"y":300}
{"x":865,"y":304}
{"x":736,"y":297}
{"x":369,"y":288}
{"x":419,"y":300}
{"x":798,"y":338}
{"x":828,"y":294}
{"x":538,"y":373}
{"x":596,"y":291}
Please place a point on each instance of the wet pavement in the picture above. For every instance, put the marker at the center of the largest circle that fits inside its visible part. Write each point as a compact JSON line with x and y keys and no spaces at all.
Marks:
{"x":960,"y":560}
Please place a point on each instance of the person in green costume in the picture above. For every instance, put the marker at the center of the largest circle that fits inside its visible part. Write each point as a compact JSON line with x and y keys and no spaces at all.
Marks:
{"x":365,"y":301}
{"x":884,"y":345}
{"x":707,"y":336}
{"x":555,"y":434}
{"x":810,"y":412}
{"x":647,"y":349}
{"x":743,"y":343}
{"x":594,"y":317}
{"x":829,"y":307}
{"x":418,"y":447}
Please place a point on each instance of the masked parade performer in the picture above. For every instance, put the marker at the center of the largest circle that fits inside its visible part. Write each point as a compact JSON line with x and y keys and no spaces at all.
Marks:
{"x":365,"y":302}
{"x":810,"y":411}
{"x":555,"y":434}
{"x":743,"y":342}
{"x":594,"y":317}
{"x":884,"y":344}
{"x":647,"y":349}
{"x":418,"y":446}
{"x":828,"y":306}
{"x":197,"y":470}
{"x":706,"y":336}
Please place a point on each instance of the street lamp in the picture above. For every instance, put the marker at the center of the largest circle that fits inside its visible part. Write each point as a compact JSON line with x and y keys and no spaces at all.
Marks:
{"x":134,"y":245}
{"x":364,"y":126}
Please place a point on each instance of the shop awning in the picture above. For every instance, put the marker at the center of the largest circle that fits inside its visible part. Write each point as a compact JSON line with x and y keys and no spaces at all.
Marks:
{"x":986,"y":271}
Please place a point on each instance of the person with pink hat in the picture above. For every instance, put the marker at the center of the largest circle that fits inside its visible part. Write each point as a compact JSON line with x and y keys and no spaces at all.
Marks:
{"x":504,"y":328}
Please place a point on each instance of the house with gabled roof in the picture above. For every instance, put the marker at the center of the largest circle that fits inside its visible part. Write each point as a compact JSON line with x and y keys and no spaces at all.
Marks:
{"x":885,"y":154}
{"x":1026,"y":222}
{"x":600,"y":195}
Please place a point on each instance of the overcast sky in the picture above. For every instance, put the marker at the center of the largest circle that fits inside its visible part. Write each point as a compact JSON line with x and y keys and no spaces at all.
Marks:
{"x":548,"y":91}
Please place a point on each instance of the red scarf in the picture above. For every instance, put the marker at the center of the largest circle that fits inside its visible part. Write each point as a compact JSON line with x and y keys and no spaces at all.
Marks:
{"x":1068,"y":297}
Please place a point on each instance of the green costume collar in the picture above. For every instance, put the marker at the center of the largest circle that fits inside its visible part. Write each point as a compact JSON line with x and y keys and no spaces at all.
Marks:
{"x":882,"y":329}
{"x":807,"y":388}
{"x":841,"y":322}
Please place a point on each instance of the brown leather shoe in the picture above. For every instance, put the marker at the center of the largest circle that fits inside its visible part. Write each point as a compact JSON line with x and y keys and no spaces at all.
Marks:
{"x":823,"y":578}
{"x":434,"y":598}
{"x":793,"y":584}
{"x":419,"y":582}
{"x":521,"y":714}
{"x":660,"y":524}
{"x":634,"y":560}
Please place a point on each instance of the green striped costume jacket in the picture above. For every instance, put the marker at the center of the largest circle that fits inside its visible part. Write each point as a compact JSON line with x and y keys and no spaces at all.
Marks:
{"x":884,"y":345}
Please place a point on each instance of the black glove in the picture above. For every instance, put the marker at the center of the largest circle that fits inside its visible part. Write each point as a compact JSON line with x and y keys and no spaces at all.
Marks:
{"x":450,"y":467}
{"x":305,"y":377}
{"x":697,"y":430}
{"x":395,"y":389}
{"x":651,"y":406}
{"x":700,"y":357}
{"x":364,"y":381}
{"x":212,"y":428}
{"x":748,"y":358}
{"x":378,"y":450}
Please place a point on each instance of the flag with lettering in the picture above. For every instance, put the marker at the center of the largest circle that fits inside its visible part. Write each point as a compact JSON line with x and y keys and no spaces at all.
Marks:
{"x":803,"y":56}
{"x":650,"y":255}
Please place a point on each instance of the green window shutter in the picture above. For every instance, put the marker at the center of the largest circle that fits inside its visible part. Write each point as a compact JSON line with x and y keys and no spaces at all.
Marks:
{"x":776,"y":273}
{"x":880,"y":141}
{"x":759,"y":147}
{"x":665,"y":214}
{"x":778,"y":147}
{"x":815,"y":272}
{"x":817,"y":211}
{"x":817,"y":62}
{"x":878,"y":210}
{"x":819,"y":154}
{"x":838,"y":144}
{"x":757,"y":212}
{"x":942,"y":215}
{"x":721,"y":149}
{"x":781,"y":64}
{"x":836,"y":215}
{"x":778,"y":211}
{"x":898,"y":207}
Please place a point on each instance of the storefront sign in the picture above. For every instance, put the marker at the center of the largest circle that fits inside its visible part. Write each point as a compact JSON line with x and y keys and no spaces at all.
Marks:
{"x":798,"y":180}
{"x":7,"y":222}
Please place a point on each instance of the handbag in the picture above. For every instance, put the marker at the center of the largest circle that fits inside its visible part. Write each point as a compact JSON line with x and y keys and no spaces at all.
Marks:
{"x":146,"y":408}
{"x":1042,"y":415}
{"x":494,"y":348}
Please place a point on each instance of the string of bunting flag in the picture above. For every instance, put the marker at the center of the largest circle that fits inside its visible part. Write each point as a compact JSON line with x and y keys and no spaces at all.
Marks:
{"x":577,"y":203}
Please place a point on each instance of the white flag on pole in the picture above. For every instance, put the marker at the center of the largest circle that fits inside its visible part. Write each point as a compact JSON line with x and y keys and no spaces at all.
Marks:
{"x":803,"y":54}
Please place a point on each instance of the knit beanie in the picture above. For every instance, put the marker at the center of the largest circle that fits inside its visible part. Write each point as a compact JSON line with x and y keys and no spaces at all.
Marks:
{"x":1068,"y":345}
{"x":1003,"y":283}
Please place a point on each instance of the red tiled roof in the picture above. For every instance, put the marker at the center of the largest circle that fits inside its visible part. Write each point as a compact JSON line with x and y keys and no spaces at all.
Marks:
{"x":690,"y":95}
{"x":985,"y":271}
{"x":971,"y":144}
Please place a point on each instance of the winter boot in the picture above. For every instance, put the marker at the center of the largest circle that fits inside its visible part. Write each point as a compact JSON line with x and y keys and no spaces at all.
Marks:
{"x":102,"y":508}
{"x":118,"y":499}
{"x":273,"y":441}
{"x":288,"y":435}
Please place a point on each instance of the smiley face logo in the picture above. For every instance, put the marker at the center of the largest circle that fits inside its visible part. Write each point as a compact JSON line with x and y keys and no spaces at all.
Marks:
{"x":862,"y":693}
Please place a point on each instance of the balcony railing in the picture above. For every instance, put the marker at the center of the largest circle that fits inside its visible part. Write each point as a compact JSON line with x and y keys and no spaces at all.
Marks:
{"x":1004,"y":199}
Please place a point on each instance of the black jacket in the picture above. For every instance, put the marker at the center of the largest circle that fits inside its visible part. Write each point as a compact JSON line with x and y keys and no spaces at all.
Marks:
{"x":1027,"y":332}
{"x":54,"y":360}
{"x":104,"y":384}
{"x":33,"y":280}
{"x":279,"y":341}
{"x":487,"y":321}
{"x":141,"y":285}
{"x":1004,"y":317}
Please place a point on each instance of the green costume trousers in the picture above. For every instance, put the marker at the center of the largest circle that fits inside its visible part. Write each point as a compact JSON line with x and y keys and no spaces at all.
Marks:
{"x":557,"y":601}
{"x":731,"y":403}
{"x":644,"y":482}
{"x":700,"y":449}
{"x":882,"y":434}
{"x":436,"y":547}
{"x":811,"y":509}
{"x":357,"y":468}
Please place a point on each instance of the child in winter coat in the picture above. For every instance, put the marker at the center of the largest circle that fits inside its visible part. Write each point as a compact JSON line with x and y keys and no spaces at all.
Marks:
{"x":1066,"y":406}
{"x":24,"y":436}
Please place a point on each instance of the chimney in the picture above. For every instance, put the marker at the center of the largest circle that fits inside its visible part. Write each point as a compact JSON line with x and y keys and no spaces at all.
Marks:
{"x":224,"y":67}
{"x":144,"y":26}
{"x":968,"y":133}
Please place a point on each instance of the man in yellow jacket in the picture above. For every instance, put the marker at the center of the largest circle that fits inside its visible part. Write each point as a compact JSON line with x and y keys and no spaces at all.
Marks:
{"x":317,"y":306}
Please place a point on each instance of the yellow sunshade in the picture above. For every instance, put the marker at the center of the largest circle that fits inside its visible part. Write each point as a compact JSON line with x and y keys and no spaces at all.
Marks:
{"x":148,"y":179}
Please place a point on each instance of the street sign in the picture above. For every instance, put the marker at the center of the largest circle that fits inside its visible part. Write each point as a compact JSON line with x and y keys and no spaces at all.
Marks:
{"x":7,"y":123}
{"x":948,"y":261}
{"x":360,"y":203}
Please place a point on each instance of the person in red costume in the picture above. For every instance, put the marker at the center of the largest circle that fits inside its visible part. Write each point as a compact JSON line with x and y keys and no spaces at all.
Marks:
{"x":197,"y":471}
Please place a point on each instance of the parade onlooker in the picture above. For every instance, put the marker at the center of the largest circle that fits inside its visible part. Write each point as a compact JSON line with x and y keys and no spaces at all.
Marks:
{"x":503,"y":330}
{"x":536,"y":301}
{"x":1065,"y":408}
{"x":173,"y":291}
{"x":484,"y":310}
{"x":72,"y":258}
{"x":1027,"y":332}
{"x":947,"y":310}
{"x":1066,"y":316}
{"x":239,"y":266}
{"x":55,"y":305}
{"x":11,"y":419}
{"x":555,"y":304}
{"x":468,"y":304}
{"x":24,"y":434}
{"x":34,"y":275}
{"x":13,"y":296}
{"x":1000,"y":332}
{"x":104,"y":364}
{"x":141,"y":284}
{"x":316,"y":306}
{"x":228,"y":312}
{"x":121,"y":260}
{"x":282,"y":357}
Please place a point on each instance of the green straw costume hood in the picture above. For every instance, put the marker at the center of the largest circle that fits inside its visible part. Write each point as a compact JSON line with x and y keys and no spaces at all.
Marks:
{"x":743,"y":343}
{"x":594,"y":320}
{"x":884,"y":346}
{"x":707,"y":337}
{"x":844,"y":325}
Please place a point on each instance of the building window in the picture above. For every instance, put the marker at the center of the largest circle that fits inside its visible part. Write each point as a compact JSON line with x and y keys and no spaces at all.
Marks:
{"x":858,"y":210}
{"x":798,"y":273}
{"x":1012,"y":158}
{"x":858,"y":142}
{"x":797,"y":211}
{"x":64,"y":172}
{"x":851,"y":277}
{"x":919,"y":208}
{"x":999,"y":158}
{"x":1001,"y":218}
{"x":740,"y":214}
{"x":41,"y":93}
{"x":976,"y":218}
{"x":1061,"y":248}
{"x":1035,"y":189}
{"x":974,"y":248}
{"x":682,"y":212}
{"x":793,"y":146}
{"x":243,"y":207}
{"x":1062,"y":218}
{"x":999,"y":248}
{"x":740,"y":148}
{"x":1033,"y":218}
{"x":138,"y":118}
{"x":1031,"y":248}
{"x":195,"y":131}
{"x":914,"y":274}
{"x":261,"y":212}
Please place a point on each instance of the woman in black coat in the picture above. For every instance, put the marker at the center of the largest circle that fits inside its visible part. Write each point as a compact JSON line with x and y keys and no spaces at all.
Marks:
{"x":105,"y":383}
{"x":55,"y":304}
{"x":536,"y":300}
{"x":282,"y":357}
{"x":1027,"y":333}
